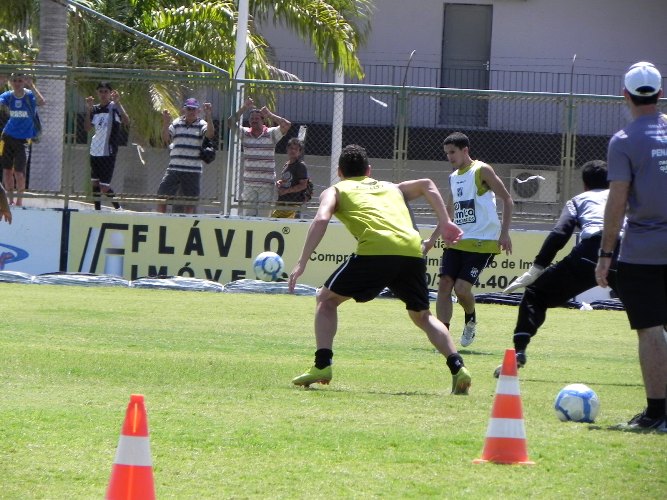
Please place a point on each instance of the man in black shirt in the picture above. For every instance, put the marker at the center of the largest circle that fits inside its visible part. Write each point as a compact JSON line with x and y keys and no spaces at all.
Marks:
{"x":293,"y":181}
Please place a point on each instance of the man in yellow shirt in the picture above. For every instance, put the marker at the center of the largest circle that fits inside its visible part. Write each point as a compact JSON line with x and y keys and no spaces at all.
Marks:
{"x":389,"y":254}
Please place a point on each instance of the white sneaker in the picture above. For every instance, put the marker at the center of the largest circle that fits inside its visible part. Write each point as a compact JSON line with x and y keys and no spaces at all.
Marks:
{"x":469,"y":332}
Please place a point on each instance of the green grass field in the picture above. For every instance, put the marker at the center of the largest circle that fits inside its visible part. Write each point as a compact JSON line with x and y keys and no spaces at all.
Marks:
{"x":225,"y":421}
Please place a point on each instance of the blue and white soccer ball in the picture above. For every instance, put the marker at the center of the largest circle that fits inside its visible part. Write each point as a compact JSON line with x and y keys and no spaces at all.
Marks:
{"x":268,"y":266}
{"x":577,"y":403}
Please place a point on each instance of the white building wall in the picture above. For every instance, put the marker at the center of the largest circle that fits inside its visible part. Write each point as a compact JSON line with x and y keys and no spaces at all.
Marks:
{"x":528,"y":35}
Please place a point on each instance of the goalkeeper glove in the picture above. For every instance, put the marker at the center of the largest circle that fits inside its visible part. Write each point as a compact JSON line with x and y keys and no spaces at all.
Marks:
{"x":527,"y":278}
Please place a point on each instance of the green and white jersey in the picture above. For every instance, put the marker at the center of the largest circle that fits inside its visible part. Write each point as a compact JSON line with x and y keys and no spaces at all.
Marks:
{"x":475,"y":210}
{"x":377,"y":216}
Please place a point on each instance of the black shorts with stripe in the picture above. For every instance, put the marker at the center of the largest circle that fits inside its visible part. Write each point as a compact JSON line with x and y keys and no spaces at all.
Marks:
{"x":466,"y":266}
{"x":363,"y":277}
{"x":13,"y":153}
{"x":101,"y":168}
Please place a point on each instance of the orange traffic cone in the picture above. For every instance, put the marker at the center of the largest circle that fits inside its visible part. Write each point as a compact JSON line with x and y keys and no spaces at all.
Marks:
{"x":132,"y":473}
{"x":506,"y":436}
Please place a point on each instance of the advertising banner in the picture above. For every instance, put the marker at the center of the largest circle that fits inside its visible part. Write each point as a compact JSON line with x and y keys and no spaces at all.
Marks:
{"x":222,"y":249}
{"x":31,"y":244}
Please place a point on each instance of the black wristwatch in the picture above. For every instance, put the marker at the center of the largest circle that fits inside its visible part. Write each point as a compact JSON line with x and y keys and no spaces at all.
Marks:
{"x":605,"y":255}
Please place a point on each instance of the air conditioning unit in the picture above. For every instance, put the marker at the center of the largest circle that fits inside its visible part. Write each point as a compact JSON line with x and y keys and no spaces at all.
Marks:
{"x":534,"y":185}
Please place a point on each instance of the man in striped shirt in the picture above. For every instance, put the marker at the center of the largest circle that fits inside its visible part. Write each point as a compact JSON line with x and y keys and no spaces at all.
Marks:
{"x":259,"y":162}
{"x":184,"y":136}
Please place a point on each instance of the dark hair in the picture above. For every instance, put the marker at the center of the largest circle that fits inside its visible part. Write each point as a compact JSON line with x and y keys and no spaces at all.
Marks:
{"x":353,"y":161}
{"x":644,"y":100}
{"x":594,"y":174}
{"x":458,"y":139}
{"x":104,"y":85}
{"x":17,"y":74}
{"x":254,"y":110}
{"x":296,"y":141}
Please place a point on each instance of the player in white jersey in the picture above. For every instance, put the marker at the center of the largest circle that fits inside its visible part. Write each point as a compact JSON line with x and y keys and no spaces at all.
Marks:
{"x":474,"y":188}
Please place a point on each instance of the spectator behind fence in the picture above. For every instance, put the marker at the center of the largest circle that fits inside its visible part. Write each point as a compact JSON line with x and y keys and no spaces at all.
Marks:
{"x":20,"y":129}
{"x":637,"y":186}
{"x":293,"y":182}
{"x":106,"y":118}
{"x":259,"y":162}
{"x":185,"y":135}
{"x":474,"y":187}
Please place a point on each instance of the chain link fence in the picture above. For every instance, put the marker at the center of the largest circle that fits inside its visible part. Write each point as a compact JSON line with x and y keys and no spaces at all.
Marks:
{"x":60,"y":162}
{"x":536,"y":142}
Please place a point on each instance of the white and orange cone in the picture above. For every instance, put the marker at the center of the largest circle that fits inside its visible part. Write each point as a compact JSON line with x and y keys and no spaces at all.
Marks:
{"x":132,"y":473}
{"x":506,"y":435}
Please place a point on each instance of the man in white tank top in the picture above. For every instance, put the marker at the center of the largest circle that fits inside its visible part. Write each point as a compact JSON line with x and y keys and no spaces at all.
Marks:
{"x":474,"y":189}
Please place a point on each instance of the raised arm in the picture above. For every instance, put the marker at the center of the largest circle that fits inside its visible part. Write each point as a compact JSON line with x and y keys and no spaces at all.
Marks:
{"x":232,"y":120}
{"x":124,"y":117}
{"x":283,"y":123}
{"x":38,"y":95}
{"x":166,"y":122}
{"x":208,"y":117}
{"x":87,"y":120}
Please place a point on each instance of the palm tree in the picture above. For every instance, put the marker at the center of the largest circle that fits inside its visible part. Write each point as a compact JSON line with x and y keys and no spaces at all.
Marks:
{"x":45,"y":173}
{"x":206,"y":29}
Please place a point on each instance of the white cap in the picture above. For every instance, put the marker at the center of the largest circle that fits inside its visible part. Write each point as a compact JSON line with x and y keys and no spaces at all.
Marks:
{"x":643,"y":80}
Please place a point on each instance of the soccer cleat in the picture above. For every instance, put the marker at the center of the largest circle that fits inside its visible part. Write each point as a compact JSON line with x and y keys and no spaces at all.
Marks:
{"x":521,"y":361}
{"x":469,"y":332}
{"x":461,"y":381}
{"x":641,"y":421}
{"x":314,"y":376}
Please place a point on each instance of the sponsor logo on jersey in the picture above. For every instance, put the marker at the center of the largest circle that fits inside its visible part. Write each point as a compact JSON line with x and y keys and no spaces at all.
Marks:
{"x":464,"y":212}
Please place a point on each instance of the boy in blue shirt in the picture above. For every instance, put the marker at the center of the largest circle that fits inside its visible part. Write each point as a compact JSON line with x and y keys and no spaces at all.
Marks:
{"x":22,"y":102}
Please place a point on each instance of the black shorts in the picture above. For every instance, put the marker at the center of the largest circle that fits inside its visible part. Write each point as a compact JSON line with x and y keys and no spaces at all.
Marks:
{"x":363,"y":277}
{"x":101,"y":168}
{"x":14,"y":153}
{"x":643,"y":291}
{"x":188,"y":182}
{"x":466,"y":266}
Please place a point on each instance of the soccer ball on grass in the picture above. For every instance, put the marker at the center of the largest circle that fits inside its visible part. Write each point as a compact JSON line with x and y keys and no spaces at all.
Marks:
{"x":268,"y":266}
{"x":577,"y":403}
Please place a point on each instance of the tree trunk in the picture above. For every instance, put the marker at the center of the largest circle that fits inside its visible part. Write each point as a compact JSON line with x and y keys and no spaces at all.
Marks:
{"x":47,"y":155}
